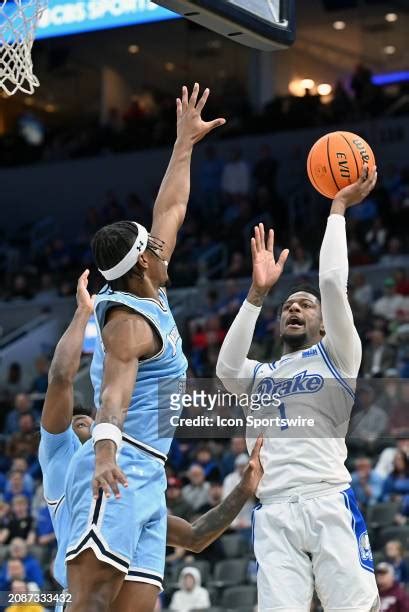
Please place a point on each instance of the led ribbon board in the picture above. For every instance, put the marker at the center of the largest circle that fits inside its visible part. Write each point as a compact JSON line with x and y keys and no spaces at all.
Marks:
{"x":64,"y":17}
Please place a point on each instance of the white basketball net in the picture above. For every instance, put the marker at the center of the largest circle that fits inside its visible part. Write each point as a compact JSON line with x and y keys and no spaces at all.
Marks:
{"x":18,"y":21}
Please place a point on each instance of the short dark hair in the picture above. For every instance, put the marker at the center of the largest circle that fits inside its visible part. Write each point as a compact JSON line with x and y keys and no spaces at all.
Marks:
{"x":83,"y":411}
{"x":27,"y":413}
{"x":305,"y":287}
{"x":113,"y":242}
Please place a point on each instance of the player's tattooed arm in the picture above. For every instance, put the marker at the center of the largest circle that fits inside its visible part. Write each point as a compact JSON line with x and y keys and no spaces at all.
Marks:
{"x":59,"y":400}
{"x":206,"y":529}
{"x":127,"y":338}
{"x":172,"y":200}
{"x":266,"y":270}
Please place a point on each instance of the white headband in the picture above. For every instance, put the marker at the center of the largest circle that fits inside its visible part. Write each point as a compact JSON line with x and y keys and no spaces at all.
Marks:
{"x":131,"y":258}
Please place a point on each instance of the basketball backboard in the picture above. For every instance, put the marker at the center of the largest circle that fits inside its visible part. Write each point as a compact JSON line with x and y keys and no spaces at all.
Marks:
{"x":262,"y":24}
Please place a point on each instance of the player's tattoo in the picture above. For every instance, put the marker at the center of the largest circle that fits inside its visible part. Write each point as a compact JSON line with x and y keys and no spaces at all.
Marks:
{"x":256,"y":297}
{"x":219,"y":518}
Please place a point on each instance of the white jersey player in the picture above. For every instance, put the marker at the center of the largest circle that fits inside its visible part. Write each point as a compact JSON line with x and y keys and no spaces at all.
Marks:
{"x":308,"y":530}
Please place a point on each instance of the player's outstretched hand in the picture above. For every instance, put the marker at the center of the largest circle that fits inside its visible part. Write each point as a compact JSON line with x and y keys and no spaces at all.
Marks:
{"x":190,"y":125}
{"x":358,"y":191}
{"x":254,"y":470}
{"x":108,"y":477}
{"x":84,"y":300}
{"x":266,"y":270}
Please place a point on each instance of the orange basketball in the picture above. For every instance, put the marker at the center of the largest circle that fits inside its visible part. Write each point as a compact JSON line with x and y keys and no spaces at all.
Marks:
{"x":336,"y":161}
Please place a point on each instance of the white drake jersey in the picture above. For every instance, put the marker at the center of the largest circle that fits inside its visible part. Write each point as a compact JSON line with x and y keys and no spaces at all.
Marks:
{"x":305,"y":449}
{"x":316,"y":384}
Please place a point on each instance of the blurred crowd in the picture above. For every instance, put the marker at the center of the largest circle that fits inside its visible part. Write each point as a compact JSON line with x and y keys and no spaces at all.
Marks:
{"x":38,"y":263}
{"x":149,"y":119}
{"x":201,"y":473}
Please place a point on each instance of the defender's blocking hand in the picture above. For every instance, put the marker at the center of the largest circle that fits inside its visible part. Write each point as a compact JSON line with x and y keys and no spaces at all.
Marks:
{"x":190,"y":125}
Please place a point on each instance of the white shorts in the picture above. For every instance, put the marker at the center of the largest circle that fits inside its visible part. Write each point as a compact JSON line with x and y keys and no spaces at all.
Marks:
{"x":322,"y":541}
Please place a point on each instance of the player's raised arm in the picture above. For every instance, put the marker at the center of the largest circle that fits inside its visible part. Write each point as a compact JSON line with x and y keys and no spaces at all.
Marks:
{"x":59,"y":400}
{"x":171,"y":203}
{"x":341,"y":338}
{"x":233,"y":367}
{"x":206,"y":529}
{"x":127,"y":337}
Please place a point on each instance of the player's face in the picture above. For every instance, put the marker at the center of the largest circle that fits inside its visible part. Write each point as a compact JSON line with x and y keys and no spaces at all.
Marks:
{"x":81,"y":425}
{"x":301,"y":320}
{"x":158,"y":269}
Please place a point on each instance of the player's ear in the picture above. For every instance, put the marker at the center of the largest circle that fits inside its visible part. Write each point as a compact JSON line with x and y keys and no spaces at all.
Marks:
{"x":322,"y":329}
{"x":143,"y":261}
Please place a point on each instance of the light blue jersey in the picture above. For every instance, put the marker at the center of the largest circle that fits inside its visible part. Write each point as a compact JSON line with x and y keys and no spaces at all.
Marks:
{"x":158,"y":376}
{"x":129,"y":533}
{"x":55,"y":454}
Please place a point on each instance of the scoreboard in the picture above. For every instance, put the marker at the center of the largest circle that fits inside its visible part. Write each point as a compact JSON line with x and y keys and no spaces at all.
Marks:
{"x":261,"y":24}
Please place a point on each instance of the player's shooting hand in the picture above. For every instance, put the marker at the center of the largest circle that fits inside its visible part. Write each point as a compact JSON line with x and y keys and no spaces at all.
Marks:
{"x":108,"y":477}
{"x":254,"y":470}
{"x":358,"y":191}
{"x":190,"y":126}
{"x":84,"y":300}
{"x":266,"y":270}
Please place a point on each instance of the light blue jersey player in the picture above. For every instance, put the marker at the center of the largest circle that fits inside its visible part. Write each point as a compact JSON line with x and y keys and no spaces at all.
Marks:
{"x":64,"y":426}
{"x":115,"y":486}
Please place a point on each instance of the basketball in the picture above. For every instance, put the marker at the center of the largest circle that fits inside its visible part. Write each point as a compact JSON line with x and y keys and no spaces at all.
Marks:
{"x":336,"y":160}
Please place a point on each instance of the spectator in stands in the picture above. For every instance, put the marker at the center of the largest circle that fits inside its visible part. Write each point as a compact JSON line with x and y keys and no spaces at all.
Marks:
{"x":237,"y":447}
{"x":176,"y":503}
{"x":243,"y":519}
{"x":21,"y":523}
{"x":22,"y":587}
{"x":384,"y":465}
{"x":265,"y":170}
{"x":237,"y":267}
{"x":361,"y":291}
{"x":366,"y":483}
{"x":58,"y":255}
{"x":205,"y":458}
{"x":375,"y":237}
{"x":210,"y":178}
{"x":402,"y":281}
{"x":16,"y":486}
{"x":236,"y":175}
{"x":301,"y":261}
{"x":32,"y":568}
{"x":20,"y":464}
{"x":191,"y":595}
{"x":20,"y":289}
{"x":231,"y":302}
{"x":392,"y":594}
{"x":40,"y":383}
{"x":24,"y":443}
{"x":394,"y":255}
{"x":44,"y":527}
{"x":394,"y":554}
{"x":5,"y":517}
{"x":13,"y":569}
{"x":13,"y":383}
{"x":47,"y":291}
{"x":370,"y":421}
{"x":197,"y":492}
{"x":396,"y":485}
{"x":22,"y":404}
{"x":378,"y":355}
{"x":399,"y":418}
{"x":388,"y":305}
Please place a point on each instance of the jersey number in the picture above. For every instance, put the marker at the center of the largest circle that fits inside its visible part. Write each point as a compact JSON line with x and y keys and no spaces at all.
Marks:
{"x":281,"y":408}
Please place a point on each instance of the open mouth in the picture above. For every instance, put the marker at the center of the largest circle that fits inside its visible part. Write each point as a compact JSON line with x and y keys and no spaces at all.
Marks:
{"x":294,"y":322}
